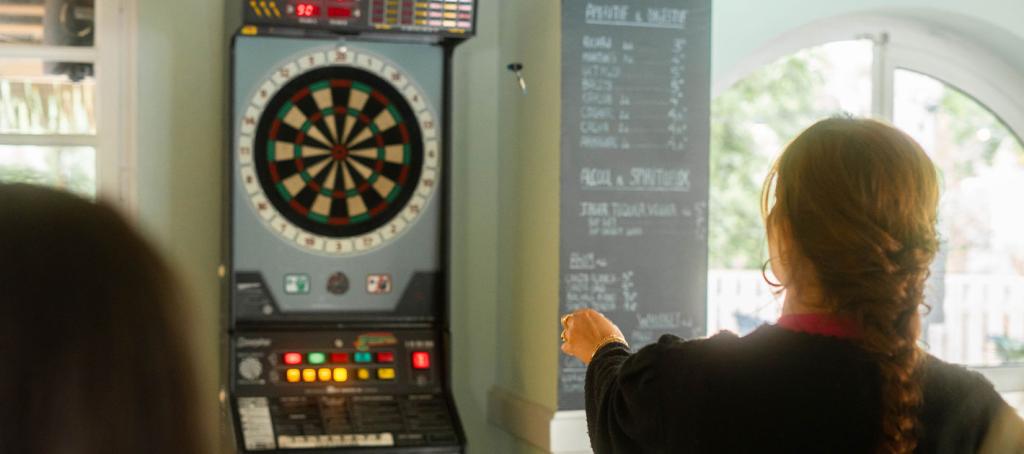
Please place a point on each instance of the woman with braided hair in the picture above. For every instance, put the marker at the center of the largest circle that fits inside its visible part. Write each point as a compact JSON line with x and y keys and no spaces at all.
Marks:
{"x":850,"y":212}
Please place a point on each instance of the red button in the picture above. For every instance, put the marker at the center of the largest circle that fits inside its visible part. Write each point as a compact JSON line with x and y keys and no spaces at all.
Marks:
{"x":385,"y":357}
{"x":420,"y":360}
{"x":339,"y":358}
{"x":292,"y":358}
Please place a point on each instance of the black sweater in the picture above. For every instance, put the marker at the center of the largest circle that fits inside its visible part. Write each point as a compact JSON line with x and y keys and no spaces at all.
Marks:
{"x":773,"y":390}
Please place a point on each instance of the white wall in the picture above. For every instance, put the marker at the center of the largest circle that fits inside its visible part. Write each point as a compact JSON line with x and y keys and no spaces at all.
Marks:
{"x":478,"y":75}
{"x":182,"y":60}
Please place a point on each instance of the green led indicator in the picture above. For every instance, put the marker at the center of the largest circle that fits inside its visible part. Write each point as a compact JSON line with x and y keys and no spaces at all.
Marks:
{"x":364,"y":357}
{"x":316,"y":358}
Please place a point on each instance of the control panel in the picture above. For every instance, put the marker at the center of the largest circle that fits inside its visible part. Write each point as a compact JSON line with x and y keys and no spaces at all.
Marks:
{"x":333,"y":389}
{"x":453,"y":18}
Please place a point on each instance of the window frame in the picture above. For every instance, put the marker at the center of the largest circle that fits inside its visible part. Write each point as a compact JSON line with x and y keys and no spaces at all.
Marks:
{"x":113,"y":56}
{"x":915,"y":46}
{"x":117,"y":80}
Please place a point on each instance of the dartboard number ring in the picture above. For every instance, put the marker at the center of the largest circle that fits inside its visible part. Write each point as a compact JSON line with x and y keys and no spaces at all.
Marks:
{"x":338,"y":151}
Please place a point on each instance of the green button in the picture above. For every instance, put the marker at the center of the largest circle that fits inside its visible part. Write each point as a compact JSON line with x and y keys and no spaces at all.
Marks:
{"x":316,"y":358}
{"x":364,"y":357}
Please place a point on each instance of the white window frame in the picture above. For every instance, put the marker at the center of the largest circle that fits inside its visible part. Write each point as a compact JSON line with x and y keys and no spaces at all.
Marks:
{"x":113,"y":58}
{"x":919,"y":47}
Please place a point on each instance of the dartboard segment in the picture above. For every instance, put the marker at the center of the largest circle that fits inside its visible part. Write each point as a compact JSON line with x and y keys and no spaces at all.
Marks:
{"x":338,"y":152}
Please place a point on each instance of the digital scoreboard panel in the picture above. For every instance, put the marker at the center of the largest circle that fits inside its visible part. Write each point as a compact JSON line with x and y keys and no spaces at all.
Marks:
{"x":446,"y":18}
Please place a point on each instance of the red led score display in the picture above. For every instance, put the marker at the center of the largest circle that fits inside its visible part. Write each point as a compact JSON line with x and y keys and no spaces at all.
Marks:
{"x":307,"y":10}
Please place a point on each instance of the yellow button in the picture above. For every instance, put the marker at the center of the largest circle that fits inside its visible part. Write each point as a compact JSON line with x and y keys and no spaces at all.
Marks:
{"x":340,"y":374}
{"x":364,"y":374}
{"x":293,"y":375}
{"x":309,"y":375}
{"x":449,"y":15}
{"x":386,"y":373}
{"x":324,"y":374}
{"x":451,"y":7}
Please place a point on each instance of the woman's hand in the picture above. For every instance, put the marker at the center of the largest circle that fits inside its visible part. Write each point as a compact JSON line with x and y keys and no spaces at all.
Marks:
{"x":586,"y":330}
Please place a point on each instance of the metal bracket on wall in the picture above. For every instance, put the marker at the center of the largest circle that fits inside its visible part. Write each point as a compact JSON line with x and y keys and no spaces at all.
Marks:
{"x":517,"y":69}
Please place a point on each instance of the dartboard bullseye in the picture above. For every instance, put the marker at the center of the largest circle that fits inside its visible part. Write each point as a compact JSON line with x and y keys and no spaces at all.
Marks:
{"x":338,"y":152}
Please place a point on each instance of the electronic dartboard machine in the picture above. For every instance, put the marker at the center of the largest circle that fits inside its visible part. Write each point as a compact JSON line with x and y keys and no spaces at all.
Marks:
{"x":338,"y":234}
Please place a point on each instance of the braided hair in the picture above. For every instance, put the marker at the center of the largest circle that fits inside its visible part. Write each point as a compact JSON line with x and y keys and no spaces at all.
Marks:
{"x":858,"y":200}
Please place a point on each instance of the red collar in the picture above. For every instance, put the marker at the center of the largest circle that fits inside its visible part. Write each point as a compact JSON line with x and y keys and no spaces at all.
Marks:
{"x":821,"y":324}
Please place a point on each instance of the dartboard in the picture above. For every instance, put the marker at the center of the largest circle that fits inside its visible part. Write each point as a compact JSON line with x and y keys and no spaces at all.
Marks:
{"x":338,"y":151}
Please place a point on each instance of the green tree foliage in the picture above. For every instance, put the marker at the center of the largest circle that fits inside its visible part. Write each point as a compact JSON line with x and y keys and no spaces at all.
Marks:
{"x":18,"y":174}
{"x":965,"y":117}
{"x":74,"y":178}
{"x":749,"y":123}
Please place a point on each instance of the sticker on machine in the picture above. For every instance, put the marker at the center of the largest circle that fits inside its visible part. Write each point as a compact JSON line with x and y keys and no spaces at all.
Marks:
{"x":378,"y":284}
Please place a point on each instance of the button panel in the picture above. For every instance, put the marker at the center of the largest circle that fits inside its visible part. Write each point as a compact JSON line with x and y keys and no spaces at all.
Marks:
{"x":374,"y":362}
{"x":338,"y":389}
{"x":350,"y":359}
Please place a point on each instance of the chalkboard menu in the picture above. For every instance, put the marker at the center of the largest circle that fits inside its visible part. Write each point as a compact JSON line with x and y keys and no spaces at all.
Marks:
{"x":634,"y":178}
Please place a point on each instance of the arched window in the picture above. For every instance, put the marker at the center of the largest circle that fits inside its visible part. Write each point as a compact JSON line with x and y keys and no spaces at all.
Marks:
{"x":954,"y":100}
